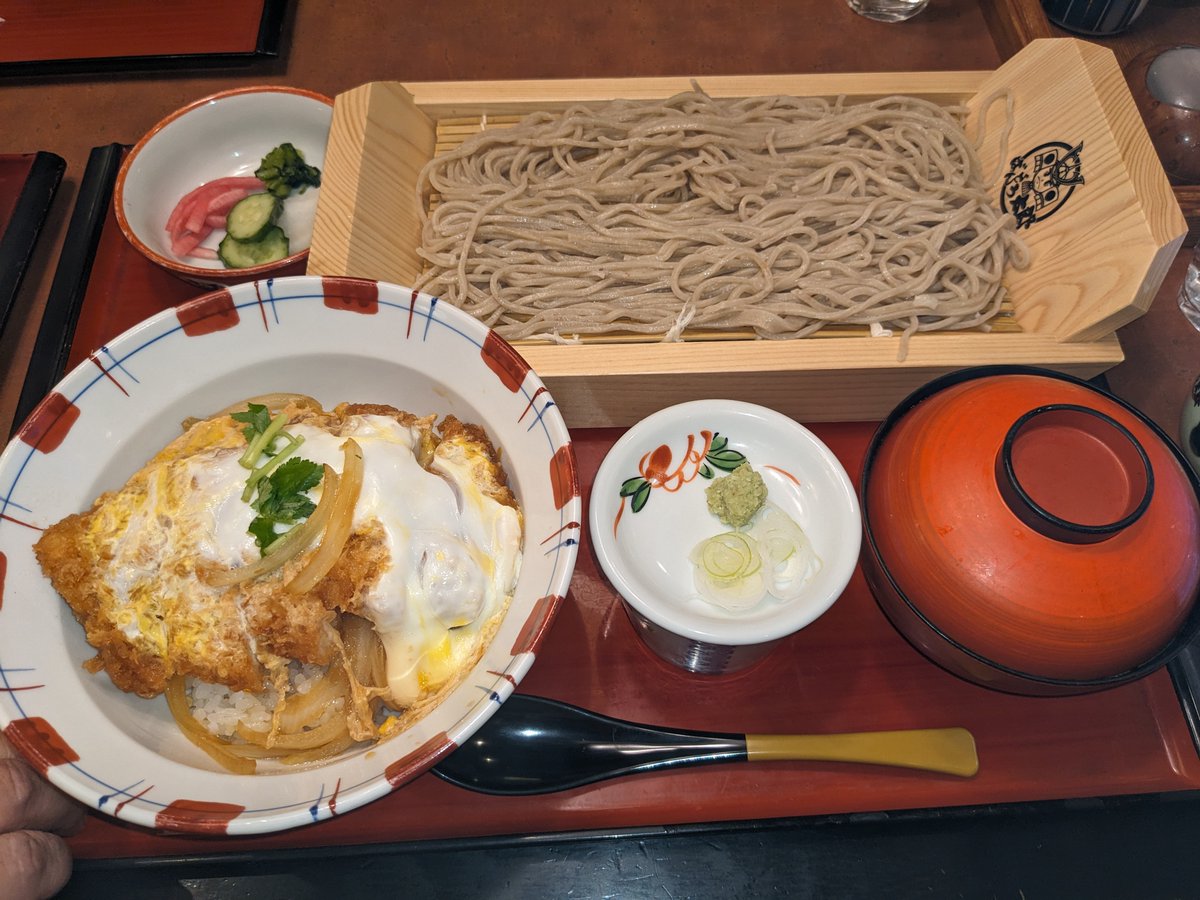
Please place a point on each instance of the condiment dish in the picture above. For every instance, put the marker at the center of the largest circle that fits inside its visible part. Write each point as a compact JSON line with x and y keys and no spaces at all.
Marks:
{"x":222,"y":135}
{"x":648,"y":510}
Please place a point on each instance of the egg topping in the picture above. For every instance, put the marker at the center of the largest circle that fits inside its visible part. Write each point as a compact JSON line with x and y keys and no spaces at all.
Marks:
{"x":439,"y":540}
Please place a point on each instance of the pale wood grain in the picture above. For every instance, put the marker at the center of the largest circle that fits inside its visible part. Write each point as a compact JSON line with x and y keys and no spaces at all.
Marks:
{"x":857,"y":379}
{"x":1099,"y":260}
{"x":1091,"y":272}
{"x":367,"y":220}
{"x":450,"y":99}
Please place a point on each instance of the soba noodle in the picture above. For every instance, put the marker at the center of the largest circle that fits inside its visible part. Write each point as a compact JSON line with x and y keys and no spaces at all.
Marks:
{"x":774,"y":214}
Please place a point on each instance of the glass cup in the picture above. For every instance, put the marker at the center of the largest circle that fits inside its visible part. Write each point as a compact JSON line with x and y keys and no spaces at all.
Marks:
{"x":1189,"y":427}
{"x":1109,"y":17}
{"x":1189,"y":291}
{"x":888,"y":10}
{"x":1166,"y":85}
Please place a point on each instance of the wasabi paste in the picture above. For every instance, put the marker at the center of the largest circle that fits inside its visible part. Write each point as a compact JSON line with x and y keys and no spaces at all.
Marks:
{"x":736,"y":498}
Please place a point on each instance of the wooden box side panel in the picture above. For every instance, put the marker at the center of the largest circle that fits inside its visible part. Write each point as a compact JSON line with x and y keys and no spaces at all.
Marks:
{"x":367,"y":223}
{"x":1097,"y":263}
{"x":1102,"y":234}
{"x":454,"y":99}
{"x":372,"y":202}
{"x":812,"y":381}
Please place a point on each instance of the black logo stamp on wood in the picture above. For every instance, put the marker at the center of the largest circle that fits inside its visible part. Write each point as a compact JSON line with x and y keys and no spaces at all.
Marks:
{"x":1040,"y":182}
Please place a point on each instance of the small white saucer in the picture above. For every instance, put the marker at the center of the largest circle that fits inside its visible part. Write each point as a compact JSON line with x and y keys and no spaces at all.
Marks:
{"x":648,"y":510}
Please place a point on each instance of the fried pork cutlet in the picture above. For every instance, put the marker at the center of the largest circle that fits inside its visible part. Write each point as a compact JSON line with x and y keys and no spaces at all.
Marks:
{"x":434,"y":549}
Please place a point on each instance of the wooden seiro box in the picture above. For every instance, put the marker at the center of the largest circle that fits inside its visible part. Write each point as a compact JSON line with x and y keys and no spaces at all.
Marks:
{"x":1098,"y":261}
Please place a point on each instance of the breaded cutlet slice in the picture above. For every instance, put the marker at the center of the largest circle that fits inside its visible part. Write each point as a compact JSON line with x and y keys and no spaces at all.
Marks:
{"x":183,"y":625}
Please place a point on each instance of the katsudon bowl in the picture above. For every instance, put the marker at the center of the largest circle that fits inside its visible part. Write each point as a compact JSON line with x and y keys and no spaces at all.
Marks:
{"x":336,"y":340}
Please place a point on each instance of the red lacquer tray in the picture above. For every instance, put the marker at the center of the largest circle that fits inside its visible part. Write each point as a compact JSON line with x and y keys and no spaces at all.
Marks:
{"x":848,"y":671}
{"x":51,"y":36}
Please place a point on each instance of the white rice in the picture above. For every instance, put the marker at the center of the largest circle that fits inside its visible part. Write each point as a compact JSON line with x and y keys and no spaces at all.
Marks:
{"x":220,"y":710}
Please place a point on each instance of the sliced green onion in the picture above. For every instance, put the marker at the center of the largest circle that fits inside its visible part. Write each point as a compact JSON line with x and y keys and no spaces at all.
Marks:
{"x":262,"y":441}
{"x":263,"y":471}
{"x":729,"y":572}
{"x":729,"y":556}
{"x":789,"y":558}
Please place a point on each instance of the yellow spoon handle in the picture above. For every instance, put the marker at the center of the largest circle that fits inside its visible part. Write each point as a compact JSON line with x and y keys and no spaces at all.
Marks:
{"x":949,"y":750}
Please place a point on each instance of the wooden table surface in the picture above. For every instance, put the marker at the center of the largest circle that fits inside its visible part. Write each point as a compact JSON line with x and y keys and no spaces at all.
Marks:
{"x":330,"y":47}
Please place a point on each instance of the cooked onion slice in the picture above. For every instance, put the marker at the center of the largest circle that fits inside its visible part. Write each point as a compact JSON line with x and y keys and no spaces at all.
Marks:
{"x":305,"y":710}
{"x":273,"y":402}
{"x":326,"y":751}
{"x":341,"y":519}
{"x":364,"y":651}
{"x":354,"y":637}
{"x":333,"y":729}
{"x":219,"y":750}
{"x":292,"y":543}
{"x":293,"y":757}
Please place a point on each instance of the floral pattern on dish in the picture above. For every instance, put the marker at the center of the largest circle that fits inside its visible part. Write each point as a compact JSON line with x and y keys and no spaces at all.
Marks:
{"x":654,"y":469}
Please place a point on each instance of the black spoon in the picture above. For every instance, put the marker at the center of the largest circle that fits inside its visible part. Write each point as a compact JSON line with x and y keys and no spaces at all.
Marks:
{"x":532,"y":745}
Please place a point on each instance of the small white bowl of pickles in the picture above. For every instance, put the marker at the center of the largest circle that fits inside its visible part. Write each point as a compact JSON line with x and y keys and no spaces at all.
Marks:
{"x":225,"y":189}
{"x":725,"y":527}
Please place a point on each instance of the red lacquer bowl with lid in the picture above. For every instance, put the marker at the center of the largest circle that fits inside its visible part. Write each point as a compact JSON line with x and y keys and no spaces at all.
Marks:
{"x":1031,"y":532}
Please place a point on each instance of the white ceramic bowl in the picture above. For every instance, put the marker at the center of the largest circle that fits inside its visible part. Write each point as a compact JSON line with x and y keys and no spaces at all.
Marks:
{"x":335,"y":339}
{"x":221,"y":135}
{"x":645,"y":553}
